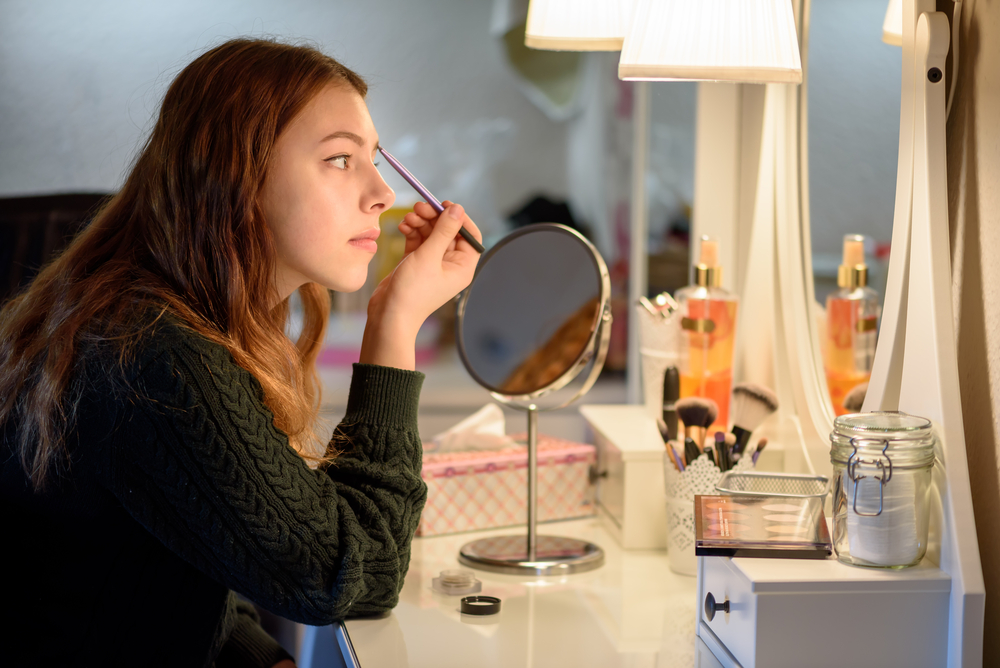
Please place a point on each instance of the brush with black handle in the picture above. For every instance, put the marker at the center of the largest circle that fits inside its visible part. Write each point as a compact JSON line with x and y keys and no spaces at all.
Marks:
{"x":723,"y":453}
{"x":693,"y":412}
{"x":752,"y":404}
{"x":730,"y":445}
{"x":671,"y":393}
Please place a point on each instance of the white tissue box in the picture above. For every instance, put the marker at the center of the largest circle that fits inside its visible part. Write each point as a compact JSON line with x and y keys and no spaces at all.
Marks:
{"x":485,"y":489}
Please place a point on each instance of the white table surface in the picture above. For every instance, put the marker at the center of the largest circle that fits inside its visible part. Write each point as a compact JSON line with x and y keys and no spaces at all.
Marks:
{"x":632,"y":612}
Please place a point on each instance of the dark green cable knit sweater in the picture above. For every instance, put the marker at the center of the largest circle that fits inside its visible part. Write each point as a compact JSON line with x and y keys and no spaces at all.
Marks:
{"x":182,"y":491}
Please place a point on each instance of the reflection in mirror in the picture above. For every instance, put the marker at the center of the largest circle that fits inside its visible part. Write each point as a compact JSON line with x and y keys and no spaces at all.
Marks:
{"x":854,"y":97}
{"x":530,"y":312}
{"x":670,"y":184}
{"x":557,"y":355}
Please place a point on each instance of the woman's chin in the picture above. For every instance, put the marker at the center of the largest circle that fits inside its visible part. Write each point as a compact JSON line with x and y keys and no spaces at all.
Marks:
{"x":346,"y":284}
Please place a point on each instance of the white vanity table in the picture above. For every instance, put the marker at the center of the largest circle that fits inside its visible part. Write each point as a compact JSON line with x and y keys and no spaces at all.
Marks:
{"x":633,"y":611}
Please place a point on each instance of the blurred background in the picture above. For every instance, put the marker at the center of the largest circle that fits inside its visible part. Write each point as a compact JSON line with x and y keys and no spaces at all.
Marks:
{"x":516,"y":135}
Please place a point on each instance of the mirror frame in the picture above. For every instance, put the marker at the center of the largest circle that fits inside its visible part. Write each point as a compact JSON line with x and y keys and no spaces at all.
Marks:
{"x":786,"y":119}
{"x":596,"y":348}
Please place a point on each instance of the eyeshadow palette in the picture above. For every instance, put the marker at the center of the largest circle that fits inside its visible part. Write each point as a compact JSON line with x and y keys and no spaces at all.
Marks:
{"x":761,"y":526}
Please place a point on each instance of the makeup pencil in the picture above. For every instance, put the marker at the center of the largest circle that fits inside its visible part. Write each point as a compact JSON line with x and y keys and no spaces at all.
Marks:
{"x":426,"y":194}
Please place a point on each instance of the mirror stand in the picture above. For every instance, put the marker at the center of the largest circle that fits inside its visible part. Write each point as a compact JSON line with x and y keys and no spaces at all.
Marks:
{"x":532,"y":554}
{"x":536,"y":316}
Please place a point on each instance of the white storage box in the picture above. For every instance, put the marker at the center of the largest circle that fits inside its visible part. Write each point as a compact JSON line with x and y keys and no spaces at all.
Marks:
{"x":790,"y":613}
{"x":631,"y":498}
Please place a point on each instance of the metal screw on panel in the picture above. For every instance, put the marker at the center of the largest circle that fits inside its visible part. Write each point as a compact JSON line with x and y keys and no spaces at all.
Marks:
{"x":934,"y":75}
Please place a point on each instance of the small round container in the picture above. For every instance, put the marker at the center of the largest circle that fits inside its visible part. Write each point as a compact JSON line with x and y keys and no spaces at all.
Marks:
{"x":456,"y":582}
{"x":882,"y":465}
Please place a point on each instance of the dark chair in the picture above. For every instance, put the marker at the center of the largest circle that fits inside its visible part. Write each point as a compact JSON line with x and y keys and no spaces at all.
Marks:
{"x":34,"y":229}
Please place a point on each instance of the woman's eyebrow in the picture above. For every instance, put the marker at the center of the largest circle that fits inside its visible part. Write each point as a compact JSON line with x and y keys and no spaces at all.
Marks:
{"x":344,"y":134}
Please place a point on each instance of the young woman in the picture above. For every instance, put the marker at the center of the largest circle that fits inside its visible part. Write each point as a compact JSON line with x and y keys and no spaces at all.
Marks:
{"x":156,"y":443}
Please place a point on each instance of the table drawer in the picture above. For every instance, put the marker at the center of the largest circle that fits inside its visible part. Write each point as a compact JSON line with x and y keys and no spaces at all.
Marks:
{"x":736,"y":628}
{"x":790,"y":613}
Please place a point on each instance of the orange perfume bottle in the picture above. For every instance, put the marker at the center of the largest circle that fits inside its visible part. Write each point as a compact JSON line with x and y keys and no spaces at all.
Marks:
{"x":851,"y":325}
{"x":709,"y":333}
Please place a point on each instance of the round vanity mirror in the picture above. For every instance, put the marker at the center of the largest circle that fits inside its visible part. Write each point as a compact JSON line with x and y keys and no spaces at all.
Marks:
{"x":536,"y":316}
{"x":529,"y":322}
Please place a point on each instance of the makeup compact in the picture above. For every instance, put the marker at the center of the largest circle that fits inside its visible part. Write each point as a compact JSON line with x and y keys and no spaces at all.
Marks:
{"x":761,"y":526}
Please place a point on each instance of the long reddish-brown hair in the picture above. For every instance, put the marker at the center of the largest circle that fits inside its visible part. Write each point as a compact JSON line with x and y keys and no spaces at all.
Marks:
{"x":185,"y":235}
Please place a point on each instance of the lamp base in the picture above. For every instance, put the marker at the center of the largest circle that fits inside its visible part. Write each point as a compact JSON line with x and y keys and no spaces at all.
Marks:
{"x":554,"y":555}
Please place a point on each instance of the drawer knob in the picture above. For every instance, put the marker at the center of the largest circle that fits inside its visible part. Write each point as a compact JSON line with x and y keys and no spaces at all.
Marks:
{"x":712,"y":606}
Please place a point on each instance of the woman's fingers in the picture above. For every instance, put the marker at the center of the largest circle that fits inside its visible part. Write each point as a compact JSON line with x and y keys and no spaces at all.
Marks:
{"x":468,"y":225}
{"x":414,"y":229}
{"x":421,"y":223}
{"x":425,"y":210}
{"x":443,"y":237}
{"x":415,"y":223}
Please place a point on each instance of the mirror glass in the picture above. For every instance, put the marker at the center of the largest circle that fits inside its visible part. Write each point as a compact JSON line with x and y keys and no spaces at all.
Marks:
{"x":532,"y":310}
{"x":853,"y":98}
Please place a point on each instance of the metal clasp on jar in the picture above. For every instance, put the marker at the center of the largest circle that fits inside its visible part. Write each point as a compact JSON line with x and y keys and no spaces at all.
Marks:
{"x":884,"y":467}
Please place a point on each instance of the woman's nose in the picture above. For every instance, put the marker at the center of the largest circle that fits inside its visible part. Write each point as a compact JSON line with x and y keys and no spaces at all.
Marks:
{"x":382,"y":197}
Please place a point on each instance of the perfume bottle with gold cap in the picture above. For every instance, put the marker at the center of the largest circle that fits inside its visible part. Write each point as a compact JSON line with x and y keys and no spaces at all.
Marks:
{"x":709,"y":325}
{"x":851,"y":325}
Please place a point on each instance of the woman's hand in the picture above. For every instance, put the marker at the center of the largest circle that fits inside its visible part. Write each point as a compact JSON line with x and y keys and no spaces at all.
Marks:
{"x":437,"y":264}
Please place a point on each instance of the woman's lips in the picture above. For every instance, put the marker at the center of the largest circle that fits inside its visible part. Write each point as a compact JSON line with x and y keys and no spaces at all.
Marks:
{"x":366,"y":241}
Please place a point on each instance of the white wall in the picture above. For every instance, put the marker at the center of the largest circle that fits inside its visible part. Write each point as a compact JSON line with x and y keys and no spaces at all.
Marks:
{"x":974,"y":209}
{"x":81,"y":81}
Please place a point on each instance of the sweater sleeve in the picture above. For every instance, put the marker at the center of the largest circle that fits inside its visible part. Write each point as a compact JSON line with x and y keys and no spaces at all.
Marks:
{"x":197,"y":460}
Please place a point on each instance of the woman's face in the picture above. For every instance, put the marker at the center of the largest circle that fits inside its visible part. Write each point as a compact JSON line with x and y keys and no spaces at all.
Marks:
{"x":323,"y":194}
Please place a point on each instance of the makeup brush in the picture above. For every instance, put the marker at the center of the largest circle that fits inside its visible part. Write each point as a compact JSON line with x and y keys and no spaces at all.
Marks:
{"x":676,"y":456}
{"x":671,"y":455}
{"x":761,"y":444}
{"x":855,"y":398}
{"x":709,"y":452}
{"x":693,"y":411}
{"x":662,"y":305}
{"x":752,"y":403}
{"x":671,"y":393}
{"x":713,"y":413}
{"x":668,"y":443}
{"x":730,"y":445}
{"x":720,"y":448}
{"x":691,"y":450}
{"x":426,"y":194}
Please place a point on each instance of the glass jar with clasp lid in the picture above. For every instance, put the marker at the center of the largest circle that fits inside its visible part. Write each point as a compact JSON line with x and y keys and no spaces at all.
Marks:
{"x":882,"y":464}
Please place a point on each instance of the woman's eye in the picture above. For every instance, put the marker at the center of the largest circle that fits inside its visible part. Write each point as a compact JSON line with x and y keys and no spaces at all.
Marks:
{"x":338,"y":161}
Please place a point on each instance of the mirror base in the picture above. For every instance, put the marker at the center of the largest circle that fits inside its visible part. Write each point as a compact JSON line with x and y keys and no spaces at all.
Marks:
{"x":554,"y":555}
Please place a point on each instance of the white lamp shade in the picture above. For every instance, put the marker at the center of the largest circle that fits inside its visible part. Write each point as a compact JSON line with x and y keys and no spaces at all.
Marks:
{"x":751,"y":41}
{"x":577,"y":25}
{"x":892,"y":27}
